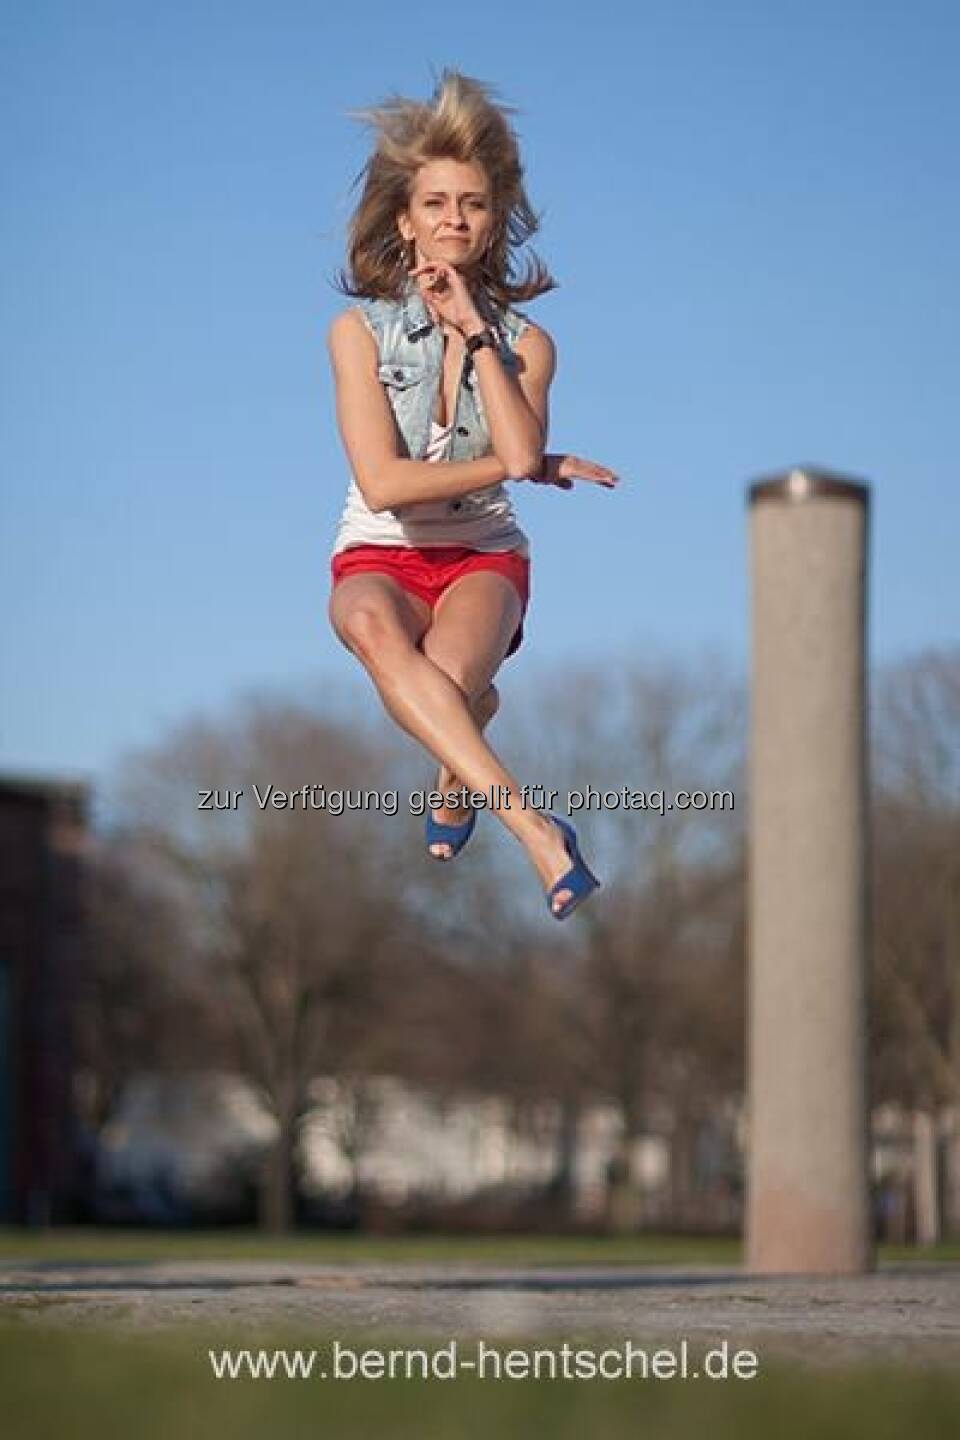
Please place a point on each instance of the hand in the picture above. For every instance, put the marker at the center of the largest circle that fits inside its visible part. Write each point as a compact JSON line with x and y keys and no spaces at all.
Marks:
{"x":562,"y":470}
{"x":447,"y":296}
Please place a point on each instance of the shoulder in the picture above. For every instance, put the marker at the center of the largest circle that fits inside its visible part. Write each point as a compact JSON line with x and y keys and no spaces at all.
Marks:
{"x":536,"y":346}
{"x":368,"y":315}
{"x":533,"y":337}
{"x":350,"y":333}
{"x":347,"y":323}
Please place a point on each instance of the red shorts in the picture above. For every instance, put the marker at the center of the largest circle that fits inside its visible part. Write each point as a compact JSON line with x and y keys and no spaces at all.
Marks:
{"x":428,"y":570}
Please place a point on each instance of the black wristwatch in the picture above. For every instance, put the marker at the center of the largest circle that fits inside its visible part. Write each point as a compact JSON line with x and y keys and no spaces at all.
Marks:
{"x":483,"y":337}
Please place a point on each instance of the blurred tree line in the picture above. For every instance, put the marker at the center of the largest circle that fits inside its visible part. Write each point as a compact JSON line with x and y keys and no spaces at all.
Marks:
{"x":286,"y":944}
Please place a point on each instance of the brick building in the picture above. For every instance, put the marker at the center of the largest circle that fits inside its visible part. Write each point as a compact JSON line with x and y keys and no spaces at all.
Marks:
{"x":43,"y":836}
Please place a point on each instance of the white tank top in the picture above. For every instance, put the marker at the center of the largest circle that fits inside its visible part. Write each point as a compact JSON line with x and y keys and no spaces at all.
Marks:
{"x":439,"y":442}
{"x":481,"y":519}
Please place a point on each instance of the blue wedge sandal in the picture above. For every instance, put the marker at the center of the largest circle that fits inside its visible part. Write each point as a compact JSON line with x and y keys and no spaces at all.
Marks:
{"x":579,"y":879}
{"x":456,"y":836}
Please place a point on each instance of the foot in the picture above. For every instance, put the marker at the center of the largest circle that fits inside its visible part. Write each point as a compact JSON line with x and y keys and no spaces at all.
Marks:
{"x":483,"y":710}
{"x":551,"y":860}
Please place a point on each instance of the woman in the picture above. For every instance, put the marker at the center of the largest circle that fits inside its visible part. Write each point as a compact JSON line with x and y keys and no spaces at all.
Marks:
{"x":442,"y":392}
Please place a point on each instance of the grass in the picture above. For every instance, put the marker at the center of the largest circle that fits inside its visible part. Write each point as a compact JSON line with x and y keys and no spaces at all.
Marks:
{"x":95,"y":1381}
{"x":95,"y":1385}
{"x":91,"y":1244}
{"x":87,"y":1245}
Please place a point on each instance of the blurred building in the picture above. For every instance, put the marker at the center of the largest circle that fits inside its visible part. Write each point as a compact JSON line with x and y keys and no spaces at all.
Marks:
{"x":43,"y":834}
{"x":178,"y":1145}
{"x":401,"y":1141}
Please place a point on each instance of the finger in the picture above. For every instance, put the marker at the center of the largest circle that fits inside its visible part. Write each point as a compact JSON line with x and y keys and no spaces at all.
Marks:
{"x":576,"y":465}
{"x":590,"y":470}
{"x":432,"y":265}
{"x":607,"y":480}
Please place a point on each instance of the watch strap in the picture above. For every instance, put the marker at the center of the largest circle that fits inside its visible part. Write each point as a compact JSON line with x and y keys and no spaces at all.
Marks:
{"x":483,"y":337}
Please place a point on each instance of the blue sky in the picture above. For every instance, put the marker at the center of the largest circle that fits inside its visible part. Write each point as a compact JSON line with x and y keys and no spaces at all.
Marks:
{"x":753,"y":214}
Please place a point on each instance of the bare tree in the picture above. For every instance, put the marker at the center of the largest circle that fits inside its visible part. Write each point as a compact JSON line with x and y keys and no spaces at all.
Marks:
{"x":916,"y":919}
{"x":658,"y":993}
{"x":319,"y":942}
{"x":302,"y":938}
{"x":136,"y":988}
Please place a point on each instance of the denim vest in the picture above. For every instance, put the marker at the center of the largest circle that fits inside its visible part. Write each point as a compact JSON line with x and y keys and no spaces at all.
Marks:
{"x":410,"y":368}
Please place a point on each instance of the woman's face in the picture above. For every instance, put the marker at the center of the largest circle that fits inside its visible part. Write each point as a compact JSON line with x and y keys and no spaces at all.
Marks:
{"x":450,"y":213}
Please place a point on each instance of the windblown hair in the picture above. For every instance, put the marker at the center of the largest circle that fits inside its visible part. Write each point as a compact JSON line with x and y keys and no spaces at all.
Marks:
{"x":461,"y":123}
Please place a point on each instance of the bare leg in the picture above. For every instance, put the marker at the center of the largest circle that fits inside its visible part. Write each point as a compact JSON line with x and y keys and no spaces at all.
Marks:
{"x":469,"y":635}
{"x":483,"y":710}
{"x":430,"y":706}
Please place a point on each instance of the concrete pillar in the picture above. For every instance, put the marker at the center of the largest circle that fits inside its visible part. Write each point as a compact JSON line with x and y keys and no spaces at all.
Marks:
{"x":808,"y":1207}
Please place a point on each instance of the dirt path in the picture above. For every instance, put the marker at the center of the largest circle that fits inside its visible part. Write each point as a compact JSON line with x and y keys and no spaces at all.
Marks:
{"x":900,"y":1313}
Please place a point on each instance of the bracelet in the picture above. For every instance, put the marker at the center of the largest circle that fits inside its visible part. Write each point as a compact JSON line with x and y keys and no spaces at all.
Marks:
{"x":483,"y":337}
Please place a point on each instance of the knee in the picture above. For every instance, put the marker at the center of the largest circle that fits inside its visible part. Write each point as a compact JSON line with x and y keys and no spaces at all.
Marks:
{"x":458,"y":669}
{"x":373,"y":636}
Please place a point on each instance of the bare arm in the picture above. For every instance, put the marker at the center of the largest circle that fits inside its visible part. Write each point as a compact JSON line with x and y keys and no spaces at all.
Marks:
{"x":369,"y":431}
{"x":516,"y":409}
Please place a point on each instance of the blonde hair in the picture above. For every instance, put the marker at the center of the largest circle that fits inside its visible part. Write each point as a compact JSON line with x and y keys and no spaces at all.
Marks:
{"x":461,"y":123}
